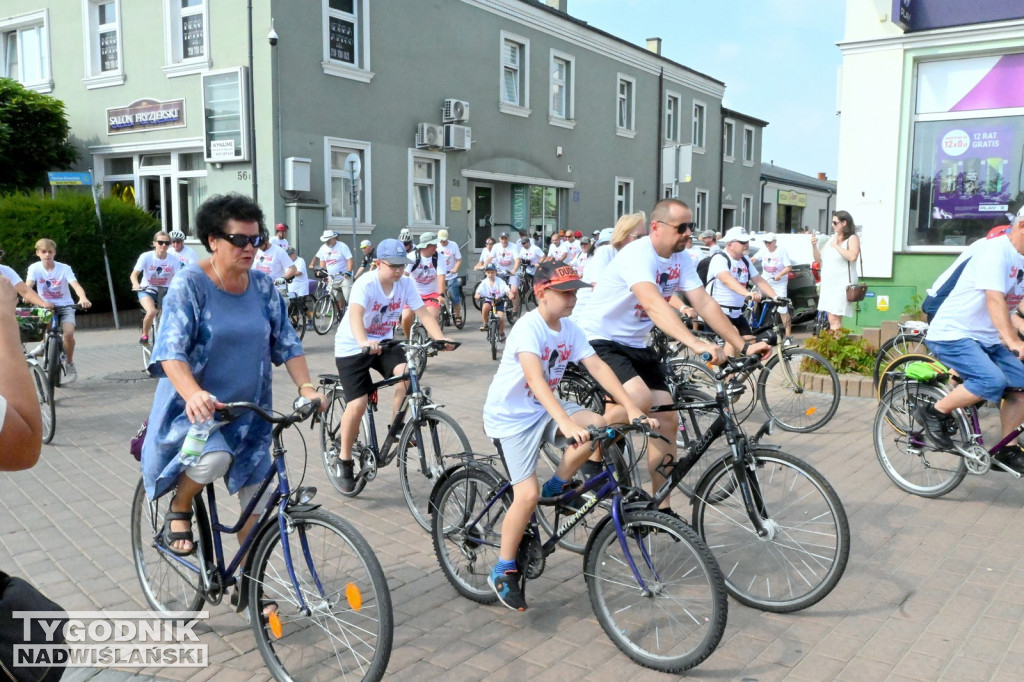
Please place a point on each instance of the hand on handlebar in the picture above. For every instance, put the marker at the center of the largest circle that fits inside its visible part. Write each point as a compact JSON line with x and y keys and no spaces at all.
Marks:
{"x":639,"y":418}
{"x":201,"y":406}
{"x":372,"y":348}
{"x":715,"y":352}
{"x":574,"y":432}
{"x":760,"y":348}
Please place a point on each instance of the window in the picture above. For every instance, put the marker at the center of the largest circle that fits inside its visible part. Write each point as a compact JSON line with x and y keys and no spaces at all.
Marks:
{"x":699,"y":122}
{"x":625,"y":111}
{"x":515,"y":75}
{"x":339,"y":185}
{"x":346,"y":38}
{"x":103,"y":65}
{"x":729,"y":140}
{"x":700,"y":210}
{"x":747,"y":212}
{"x":226,"y":115}
{"x":623,"y":197}
{"x":186,"y":36}
{"x":563,"y":86}
{"x":426,"y":188}
{"x":25,"y":50}
{"x":748,"y":146}
{"x":672,"y":104}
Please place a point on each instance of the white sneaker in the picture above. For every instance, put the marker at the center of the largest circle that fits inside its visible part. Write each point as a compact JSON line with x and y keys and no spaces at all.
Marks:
{"x":38,"y":350}
{"x":70,"y":373}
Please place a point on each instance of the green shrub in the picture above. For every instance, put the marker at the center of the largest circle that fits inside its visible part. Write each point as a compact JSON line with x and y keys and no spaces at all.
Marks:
{"x":847,"y":354}
{"x":70,"y":220}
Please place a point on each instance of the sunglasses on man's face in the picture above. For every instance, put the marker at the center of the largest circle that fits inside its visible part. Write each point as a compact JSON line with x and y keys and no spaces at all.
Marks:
{"x":240,"y":240}
{"x":163,"y":242}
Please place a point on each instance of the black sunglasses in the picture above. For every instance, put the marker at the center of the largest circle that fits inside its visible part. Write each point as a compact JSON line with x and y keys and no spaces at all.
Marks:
{"x":161,"y":242}
{"x":240,"y":240}
{"x":681,"y":228}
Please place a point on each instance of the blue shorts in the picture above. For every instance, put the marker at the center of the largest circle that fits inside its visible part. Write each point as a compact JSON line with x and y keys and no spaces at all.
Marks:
{"x":987,"y":371}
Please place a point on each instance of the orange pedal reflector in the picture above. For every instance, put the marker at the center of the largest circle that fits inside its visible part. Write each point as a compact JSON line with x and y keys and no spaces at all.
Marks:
{"x":810,"y":411}
{"x":274,"y":621}
{"x":354,"y":596}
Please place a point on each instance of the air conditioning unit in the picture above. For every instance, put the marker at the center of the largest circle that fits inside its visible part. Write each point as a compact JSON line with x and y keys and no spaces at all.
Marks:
{"x":429,"y":136}
{"x":455,"y":111}
{"x":457,"y":137}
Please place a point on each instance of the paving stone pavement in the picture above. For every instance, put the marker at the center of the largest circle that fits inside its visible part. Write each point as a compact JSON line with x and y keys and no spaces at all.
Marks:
{"x":934,"y":589}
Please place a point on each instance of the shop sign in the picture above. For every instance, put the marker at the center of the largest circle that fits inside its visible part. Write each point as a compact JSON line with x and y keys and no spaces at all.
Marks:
{"x":146,"y":114}
{"x":788,"y":197}
{"x":520,"y":205}
{"x":222,"y":150}
{"x":903,"y":14}
{"x":972,"y":159}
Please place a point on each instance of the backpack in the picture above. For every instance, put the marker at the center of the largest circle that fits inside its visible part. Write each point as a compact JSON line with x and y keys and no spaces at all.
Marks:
{"x":705,"y":263}
{"x":419,"y":259}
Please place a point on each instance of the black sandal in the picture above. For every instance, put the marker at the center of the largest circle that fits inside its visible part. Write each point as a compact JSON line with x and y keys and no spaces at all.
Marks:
{"x":169,"y":537}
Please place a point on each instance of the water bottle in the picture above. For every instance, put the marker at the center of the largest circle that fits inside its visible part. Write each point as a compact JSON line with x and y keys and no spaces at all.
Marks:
{"x":195,"y":441}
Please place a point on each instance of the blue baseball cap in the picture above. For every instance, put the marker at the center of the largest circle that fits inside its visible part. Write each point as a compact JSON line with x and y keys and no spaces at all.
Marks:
{"x":392,"y":251}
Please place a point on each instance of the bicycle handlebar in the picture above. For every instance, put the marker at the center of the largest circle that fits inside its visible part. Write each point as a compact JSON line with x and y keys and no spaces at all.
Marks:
{"x":232,"y":411}
{"x":431,"y":344}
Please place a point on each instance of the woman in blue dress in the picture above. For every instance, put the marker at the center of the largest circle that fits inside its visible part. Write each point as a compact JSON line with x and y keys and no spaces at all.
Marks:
{"x":223,"y":325}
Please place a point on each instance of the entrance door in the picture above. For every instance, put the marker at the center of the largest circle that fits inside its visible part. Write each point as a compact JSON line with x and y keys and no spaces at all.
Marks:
{"x":728,"y":219}
{"x":482,"y":208}
{"x":157,"y":201}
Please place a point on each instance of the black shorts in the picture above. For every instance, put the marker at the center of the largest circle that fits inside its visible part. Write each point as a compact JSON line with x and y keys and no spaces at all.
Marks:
{"x":354,"y":371}
{"x":628,"y":362}
{"x":742,"y":326}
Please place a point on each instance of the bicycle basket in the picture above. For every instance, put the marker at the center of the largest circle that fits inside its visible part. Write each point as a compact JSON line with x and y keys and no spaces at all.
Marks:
{"x":33,"y":323}
{"x":926,"y":371}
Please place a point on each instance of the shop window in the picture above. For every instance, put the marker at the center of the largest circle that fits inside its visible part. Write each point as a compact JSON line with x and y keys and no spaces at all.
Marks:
{"x":339,"y":185}
{"x":25,"y":50}
{"x":226,"y":115}
{"x":347,"y":39}
{"x":515,"y":75}
{"x":187,"y":36}
{"x":544,"y":211}
{"x":103,"y":40}
{"x":426,"y":188}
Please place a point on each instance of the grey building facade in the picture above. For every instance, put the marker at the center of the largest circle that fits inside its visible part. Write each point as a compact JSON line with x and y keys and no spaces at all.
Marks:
{"x":476,"y":115}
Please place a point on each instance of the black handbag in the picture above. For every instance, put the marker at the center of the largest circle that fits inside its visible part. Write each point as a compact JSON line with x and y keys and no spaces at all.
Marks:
{"x":20,"y":595}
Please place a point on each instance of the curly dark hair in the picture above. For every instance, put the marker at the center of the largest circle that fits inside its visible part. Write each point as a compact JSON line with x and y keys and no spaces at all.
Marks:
{"x":214,"y":214}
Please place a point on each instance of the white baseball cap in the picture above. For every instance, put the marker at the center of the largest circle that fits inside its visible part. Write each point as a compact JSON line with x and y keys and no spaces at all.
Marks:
{"x":736,"y":234}
{"x":769,"y":237}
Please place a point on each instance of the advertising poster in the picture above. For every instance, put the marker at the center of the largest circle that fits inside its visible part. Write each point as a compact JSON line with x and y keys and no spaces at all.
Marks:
{"x":972,"y":161}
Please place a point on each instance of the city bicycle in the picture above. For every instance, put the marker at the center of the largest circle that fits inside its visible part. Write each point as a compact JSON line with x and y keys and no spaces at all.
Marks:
{"x":32,"y":324}
{"x":298,"y":313}
{"x":774,"y":523}
{"x":454,"y":313}
{"x":53,"y":355}
{"x":316,"y":597}
{"x":426,"y":443}
{"x":419,"y":338}
{"x":494,"y":336}
{"x":147,"y":348}
{"x":328,"y":301}
{"x":654,"y":586}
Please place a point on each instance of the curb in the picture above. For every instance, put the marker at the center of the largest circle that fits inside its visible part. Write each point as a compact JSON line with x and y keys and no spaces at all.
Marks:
{"x":850,"y":385}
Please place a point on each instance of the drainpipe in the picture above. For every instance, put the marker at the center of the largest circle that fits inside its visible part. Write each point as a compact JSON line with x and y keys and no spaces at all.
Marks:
{"x":661,"y":132}
{"x":760,"y":207}
{"x":828,"y":209}
{"x":721,"y":169}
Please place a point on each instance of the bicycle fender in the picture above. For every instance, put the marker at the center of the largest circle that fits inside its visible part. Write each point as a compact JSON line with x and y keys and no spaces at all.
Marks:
{"x":627,"y":508}
{"x":451,"y":470}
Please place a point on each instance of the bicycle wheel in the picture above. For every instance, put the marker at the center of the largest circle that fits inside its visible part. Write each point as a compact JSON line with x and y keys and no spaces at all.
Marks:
{"x":467,"y":549}
{"x":897,"y":346}
{"x":529,"y":298}
{"x":694,"y":424}
{"x":678,"y":620}
{"x":460,"y":311}
{"x":44,"y":395}
{"x":582,"y":390}
{"x":690,"y":373}
{"x":492,"y":337}
{"x":512,"y":310}
{"x":799,"y":389}
{"x":444,"y":444}
{"x":896,"y":371}
{"x":808,"y":543}
{"x":323,"y":314}
{"x":330,"y":434}
{"x":53,"y":367}
{"x":903,"y":450}
{"x":297,"y":316}
{"x":167,"y":584}
{"x":347,"y":627}
{"x":418,"y":335}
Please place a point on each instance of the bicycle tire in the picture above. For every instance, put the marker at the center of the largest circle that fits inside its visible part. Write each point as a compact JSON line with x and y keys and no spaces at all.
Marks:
{"x":323,"y":314}
{"x":53,"y":367}
{"x":297,"y":316}
{"x":330,"y":434}
{"x":349,"y":626}
{"x":903,"y":450}
{"x":492,"y":337}
{"x":691,"y":373}
{"x":477,"y":303}
{"x":467,"y":554}
{"x":582,"y":390}
{"x":529,"y":299}
{"x":694,"y":424}
{"x":167,"y":585}
{"x":44,"y":396}
{"x":799,"y":405}
{"x":897,"y":346}
{"x":444,"y":448}
{"x":418,"y":335}
{"x":808,"y":546}
{"x":512,"y":310}
{"x":679,"y":620}
{"x":894,"y":372}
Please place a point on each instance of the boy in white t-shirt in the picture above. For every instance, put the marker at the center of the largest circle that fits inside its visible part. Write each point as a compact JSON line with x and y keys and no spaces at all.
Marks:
{"x":374,"y":309}
{"x":54,"y":282}
{"x":488,"y":292}
{"x":522,"y":411}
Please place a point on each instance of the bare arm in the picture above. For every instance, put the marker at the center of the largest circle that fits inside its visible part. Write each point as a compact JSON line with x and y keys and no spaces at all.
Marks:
{"x":21,"y":430}
{"x":83,"y":300}
{"x":852,"y":251}
{"x":298,"y":370}
{"x":715,"y":318}
{"x":135,"y":280}
{"x":731,"y":283}
{"x":763,"y":285}
{"x":534,"y":372}
{"x":666,"y":318}
{"x":31,"y":296}
{"x":995,"y":302}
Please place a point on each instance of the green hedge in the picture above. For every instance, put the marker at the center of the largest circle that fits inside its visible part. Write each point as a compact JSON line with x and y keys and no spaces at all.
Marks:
{"x":70,"y":220}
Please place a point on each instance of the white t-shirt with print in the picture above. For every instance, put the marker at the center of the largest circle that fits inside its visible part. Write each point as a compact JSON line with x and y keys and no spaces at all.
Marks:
{"x":511,"y":407}
{"x":774,"y":262}
{"x":492,"y":290}
{"x":996,"y":266}
{"x":573,"y":249}
{"x":532,"y":255}
{"x":580,"y":262}
{"x":10,"y":274}
{"x":187,"y":256}
{"x":380,"y":312}
{"x":157,"y":272}
{"x":274,"y":261}
{"x":558,"y":251}
{"x":278,"y":241}
{"x":612,"y":312}
{"x":424,"y":275}
{"x":485,"y":253}
{"x":334,"y":258}
{"x":731,"y":302}
{"x":600,"y":259}
{"x":452,"y":255}
{"x":53,"y":286}
{"x":299,"y":286}
{"x":504,"y":257}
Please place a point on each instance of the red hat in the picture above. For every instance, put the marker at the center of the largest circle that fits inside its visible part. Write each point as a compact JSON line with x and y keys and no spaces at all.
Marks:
{"x":280,"y":227}
{"x":557,"y":275}
{"x":578,"y":234}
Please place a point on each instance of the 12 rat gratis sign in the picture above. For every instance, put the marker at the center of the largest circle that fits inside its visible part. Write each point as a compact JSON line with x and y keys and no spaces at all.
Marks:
{"x":146,"y":114}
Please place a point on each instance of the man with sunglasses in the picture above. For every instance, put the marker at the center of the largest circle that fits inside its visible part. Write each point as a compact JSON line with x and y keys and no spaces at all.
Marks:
{"x":729,"y":273}
{"x":636,"y":291}
{"x":156,"y":268}
{"x":274,"y":261}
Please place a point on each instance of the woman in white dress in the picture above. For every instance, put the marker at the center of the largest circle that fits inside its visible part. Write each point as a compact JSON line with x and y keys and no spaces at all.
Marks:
{"x":838,"y":268}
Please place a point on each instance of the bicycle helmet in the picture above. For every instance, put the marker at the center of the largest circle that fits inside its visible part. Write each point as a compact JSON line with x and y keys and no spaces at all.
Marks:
{"x":405,"y":235}
{"x":280,"y":227}
{"x":177,"y":236}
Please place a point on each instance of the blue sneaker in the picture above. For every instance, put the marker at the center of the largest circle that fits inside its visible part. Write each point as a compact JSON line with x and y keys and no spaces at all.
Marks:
{"x":508,"y":589}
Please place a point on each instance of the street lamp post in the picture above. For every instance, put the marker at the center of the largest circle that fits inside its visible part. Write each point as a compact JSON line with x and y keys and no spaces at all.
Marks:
{"x":354,"y":167}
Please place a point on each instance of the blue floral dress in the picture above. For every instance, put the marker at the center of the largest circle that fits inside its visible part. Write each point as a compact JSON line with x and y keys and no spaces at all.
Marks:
{"x":229,"y":341}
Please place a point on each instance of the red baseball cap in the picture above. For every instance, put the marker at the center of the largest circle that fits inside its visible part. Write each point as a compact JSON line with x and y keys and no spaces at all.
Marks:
{"x":578,"y":234}
{"x":280,"y":227}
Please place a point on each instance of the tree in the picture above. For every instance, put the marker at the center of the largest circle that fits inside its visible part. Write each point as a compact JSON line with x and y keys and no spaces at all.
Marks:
{"x":33,"y":138}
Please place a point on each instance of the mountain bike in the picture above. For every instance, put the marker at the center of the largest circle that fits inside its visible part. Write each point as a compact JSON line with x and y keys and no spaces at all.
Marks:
{"x":655,"y":588}
{"x":317,"y":599}
{"x":425,"y":445}
{"x":328,"y":301}
{"x":53,"y":356}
